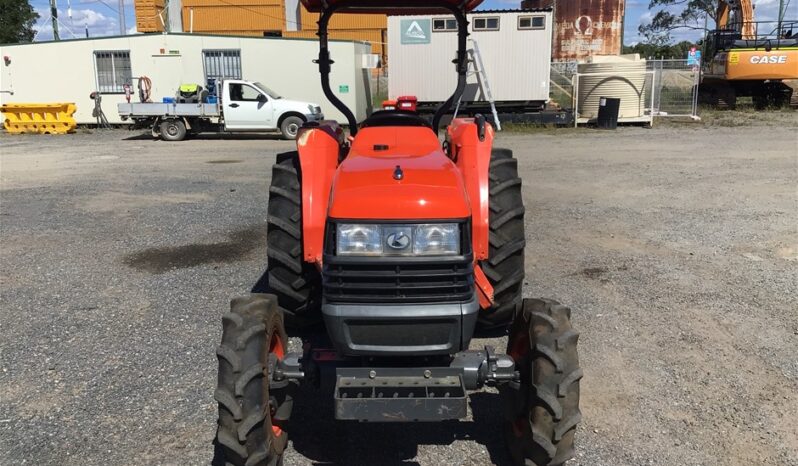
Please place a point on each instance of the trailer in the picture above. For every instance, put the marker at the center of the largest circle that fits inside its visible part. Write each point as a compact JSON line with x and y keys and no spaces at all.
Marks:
{"x":236,"y":106}
{"x":509,"y":60}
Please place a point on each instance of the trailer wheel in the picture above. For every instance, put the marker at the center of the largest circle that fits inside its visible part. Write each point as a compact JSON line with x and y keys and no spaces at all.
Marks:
{"x":504,"y":267}
{"x":290,"y":127}
{"x":253,"y":411}
{"x":173,"y":130}
{"x":542,"y":410}
{"x":296,"y":283}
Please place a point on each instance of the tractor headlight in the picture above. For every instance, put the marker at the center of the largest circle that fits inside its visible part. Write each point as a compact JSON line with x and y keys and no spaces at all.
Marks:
{"x":430,"y":239}
{"x":436,"y":239}
{"x":359,"y":240}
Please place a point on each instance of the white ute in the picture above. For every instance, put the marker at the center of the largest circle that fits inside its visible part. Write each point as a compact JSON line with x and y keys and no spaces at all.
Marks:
{"x":242,"y":106}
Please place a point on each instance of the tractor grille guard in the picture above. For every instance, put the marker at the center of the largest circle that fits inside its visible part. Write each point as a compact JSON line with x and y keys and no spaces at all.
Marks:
{"x":399,"y":279}
{"x":393,"y":282}
{"x":461,"y":61}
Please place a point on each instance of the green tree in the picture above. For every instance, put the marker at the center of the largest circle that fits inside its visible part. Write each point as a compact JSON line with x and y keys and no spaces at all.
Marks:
{"x":646,"y":50}
{"x":668,"y":18}
{"x":17,"y":18}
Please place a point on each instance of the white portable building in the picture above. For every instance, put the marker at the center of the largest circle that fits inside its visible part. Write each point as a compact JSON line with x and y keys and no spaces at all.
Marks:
{"x":514,"y":47}
{"x":70,"y":70}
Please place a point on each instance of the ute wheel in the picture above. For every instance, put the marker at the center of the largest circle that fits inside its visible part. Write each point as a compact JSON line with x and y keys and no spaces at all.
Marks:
{"x":290,"y":127}
{"x":295,"y":282}
{"x":173,"y":130}
{"x":252,"y":411}
{"x":505,"y":264}
{"x":543,"y":409}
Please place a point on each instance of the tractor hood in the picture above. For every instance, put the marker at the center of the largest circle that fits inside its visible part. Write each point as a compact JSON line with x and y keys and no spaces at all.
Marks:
{"x":396,"y":175}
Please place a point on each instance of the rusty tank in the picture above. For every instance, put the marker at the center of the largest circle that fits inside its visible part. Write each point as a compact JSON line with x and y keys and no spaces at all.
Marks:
{"x":583,"y":28}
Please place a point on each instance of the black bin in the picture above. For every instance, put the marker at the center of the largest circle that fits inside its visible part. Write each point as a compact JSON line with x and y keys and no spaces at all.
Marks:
{"x":608,"y":112}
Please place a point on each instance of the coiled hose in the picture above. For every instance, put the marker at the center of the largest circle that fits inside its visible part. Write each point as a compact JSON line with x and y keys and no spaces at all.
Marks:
{"x":145,"y":86}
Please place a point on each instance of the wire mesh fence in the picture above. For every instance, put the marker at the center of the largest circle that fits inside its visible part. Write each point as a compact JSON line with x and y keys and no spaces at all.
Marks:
{"x":675,"y":88}
{"x":561,"y":84}
{"x":669,"y":88}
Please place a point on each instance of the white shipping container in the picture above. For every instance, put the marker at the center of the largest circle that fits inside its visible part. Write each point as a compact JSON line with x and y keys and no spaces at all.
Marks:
{"x":515,"y":46}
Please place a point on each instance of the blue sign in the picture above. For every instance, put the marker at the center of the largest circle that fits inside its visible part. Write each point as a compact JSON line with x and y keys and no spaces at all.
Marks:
{"x":694,"y":57}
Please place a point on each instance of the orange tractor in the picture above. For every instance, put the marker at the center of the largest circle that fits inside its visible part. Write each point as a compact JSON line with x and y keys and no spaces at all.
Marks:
{"x":399,"y":247}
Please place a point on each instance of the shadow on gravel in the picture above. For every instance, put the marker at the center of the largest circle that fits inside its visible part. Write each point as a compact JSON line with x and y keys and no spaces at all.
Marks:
{"x":316,"y":435}
{"x":223,"y":161}
{"x":160,"y":260}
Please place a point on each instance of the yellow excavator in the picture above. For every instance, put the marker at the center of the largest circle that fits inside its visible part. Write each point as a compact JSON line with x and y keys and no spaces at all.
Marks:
{"x":748,"y":58}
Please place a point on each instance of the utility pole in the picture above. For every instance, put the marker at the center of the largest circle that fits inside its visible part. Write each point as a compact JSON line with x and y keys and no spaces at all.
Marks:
{"x":122,"y":25}
{"x":781,"y":17}
{"x":54,"y":19}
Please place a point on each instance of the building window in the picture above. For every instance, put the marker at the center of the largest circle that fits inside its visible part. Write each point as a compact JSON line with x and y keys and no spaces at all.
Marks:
{"x":222,"y":64}
{"x":113,"y":71}
{"x":444,"y":24}
{"x":531,"y":22}
{"x":486,"y":24}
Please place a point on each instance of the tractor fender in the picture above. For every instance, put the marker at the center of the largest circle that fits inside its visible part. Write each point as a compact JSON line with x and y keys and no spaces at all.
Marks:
{"x":319,"y":150}
{"x":470,"y":151}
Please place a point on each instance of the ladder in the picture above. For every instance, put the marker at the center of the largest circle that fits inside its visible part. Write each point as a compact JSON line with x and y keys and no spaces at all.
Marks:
{"x":482,"y":79}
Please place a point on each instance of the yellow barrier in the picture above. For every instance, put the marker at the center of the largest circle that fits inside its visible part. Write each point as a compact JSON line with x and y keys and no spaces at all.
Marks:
{"x":39,"y":118}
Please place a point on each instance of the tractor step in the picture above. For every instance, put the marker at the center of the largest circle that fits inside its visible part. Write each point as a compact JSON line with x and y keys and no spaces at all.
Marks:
{"x":399,"y":394}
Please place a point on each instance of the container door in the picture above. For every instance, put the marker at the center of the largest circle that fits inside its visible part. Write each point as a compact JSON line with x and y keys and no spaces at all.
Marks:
{"x":247,"y":108}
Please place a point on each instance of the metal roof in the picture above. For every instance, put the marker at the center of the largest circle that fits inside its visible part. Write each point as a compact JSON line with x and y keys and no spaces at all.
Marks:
{"x":413,"y":7}
{"x":514,"y":10}
{"x":150,"y":34}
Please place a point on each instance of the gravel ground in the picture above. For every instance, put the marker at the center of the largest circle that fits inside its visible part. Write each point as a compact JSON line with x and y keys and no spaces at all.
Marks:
{"x":677,"y":248}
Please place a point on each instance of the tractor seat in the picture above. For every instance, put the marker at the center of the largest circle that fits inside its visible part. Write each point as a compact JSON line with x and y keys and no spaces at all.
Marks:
{"x":394,"y":118}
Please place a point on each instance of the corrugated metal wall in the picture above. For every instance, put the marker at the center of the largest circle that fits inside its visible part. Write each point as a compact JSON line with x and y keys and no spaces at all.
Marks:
{"x":584,"y":27}
{"x":517,"y":62}
{"x":237,"y":17}
{"x":257,"y":17}
{"x":147,"y":11}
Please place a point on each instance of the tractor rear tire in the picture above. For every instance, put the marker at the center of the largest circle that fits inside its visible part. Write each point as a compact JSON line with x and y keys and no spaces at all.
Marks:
{"x":505,"y":264}
{"x":543,"y":409}
{"x":253,"y":412}
{"x":296,"y":283}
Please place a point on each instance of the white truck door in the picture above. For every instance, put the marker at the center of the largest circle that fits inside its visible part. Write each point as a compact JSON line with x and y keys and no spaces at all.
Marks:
{"x":246,"y":108}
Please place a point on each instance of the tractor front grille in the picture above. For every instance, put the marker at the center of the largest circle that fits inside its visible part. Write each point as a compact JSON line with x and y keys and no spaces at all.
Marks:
{"x":399,"y":282}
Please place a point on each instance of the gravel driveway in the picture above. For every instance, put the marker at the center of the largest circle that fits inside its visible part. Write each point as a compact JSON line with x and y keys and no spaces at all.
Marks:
{"x":676,"y":247}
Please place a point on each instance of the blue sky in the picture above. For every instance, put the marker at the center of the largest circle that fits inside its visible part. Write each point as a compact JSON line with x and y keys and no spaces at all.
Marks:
{"x":102,"y":18}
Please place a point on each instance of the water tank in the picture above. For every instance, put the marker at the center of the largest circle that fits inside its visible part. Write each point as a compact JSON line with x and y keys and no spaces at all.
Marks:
{"x":617,"y":76}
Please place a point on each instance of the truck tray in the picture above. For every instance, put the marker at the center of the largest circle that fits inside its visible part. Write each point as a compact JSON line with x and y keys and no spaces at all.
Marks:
{"x":399,"y":394}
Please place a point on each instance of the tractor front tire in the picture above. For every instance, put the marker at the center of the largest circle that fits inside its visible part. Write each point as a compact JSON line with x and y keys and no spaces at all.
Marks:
{"x":252,"y":411}
{"x":542,"y":410}
{"x":296,"y":283}
{"x":504,"y":267}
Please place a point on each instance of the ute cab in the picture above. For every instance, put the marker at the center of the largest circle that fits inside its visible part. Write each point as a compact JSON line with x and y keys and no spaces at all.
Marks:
{"x":388,"y":249}
{"x":251,"y":106}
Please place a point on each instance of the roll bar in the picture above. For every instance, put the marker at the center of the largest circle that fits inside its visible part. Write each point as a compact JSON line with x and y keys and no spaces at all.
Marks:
{"x":460,"y":61}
